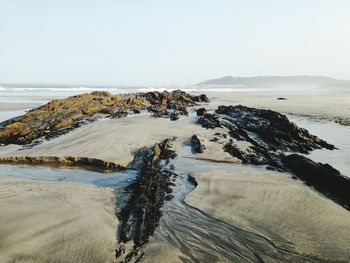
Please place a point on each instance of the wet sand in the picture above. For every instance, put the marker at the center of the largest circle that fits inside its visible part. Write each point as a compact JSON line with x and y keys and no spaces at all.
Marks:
{"x":271,"y":204}
{"x":283,"y":210}
{"x":320,"y":105}
{"x":16,"y":106}
{"x":56,"y":222}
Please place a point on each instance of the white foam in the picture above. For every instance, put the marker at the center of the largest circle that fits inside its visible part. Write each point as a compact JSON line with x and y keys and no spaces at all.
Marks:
{"x":118,"y":90}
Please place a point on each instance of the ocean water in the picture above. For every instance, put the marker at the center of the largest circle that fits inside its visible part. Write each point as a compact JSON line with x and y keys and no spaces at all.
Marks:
{"x":5,"y":115}
{"x":333,"y":133}
{"x":69,"y":89}
{"x":15,"y":100}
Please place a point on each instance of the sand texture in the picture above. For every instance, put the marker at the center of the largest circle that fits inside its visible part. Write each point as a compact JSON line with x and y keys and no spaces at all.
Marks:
{"x":279,"y":208}
{"x":56,"y":222}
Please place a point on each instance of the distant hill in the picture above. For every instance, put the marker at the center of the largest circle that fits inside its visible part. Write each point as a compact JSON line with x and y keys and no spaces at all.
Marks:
{"x":271,"y":81}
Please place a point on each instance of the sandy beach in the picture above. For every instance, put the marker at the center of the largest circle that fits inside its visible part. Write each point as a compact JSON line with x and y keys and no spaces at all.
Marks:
{"x":56,"y":222}
{"x":329,"y":105}
{"x":279,"y":208}
{"x":271,"y":204}
{"x":175,"y":132}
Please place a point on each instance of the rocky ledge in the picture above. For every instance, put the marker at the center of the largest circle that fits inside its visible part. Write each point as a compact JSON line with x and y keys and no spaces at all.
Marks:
{"x":64,"y":161}
{"x":265,"y":137}
{"x":343,"y":121}
{"x":322,"y":177}
{"x":141,"y":213}
{"x":60,"y":116}
{"x":266,"y":134}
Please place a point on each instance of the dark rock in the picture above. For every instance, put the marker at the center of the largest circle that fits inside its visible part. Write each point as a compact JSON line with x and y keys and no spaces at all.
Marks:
{"x":174,"y":116}
{"x":281,"y":98}
{"x":197,"y":146}
{"x":141,"y":213}
{"x":272,"y":128}
{"x":343,"y":121}
{"x":201,"y":112}
{"x":158,"y":111}
{"x":192,"y":180}
{"x":257,"y":155}
{"x":201,"y":98}
{"x":269,"y":133}
{"x":209,"y":121}
{"x":270,"y":168}
{"x":168,"y":197}
{"x":322,"y":177}
{"x":119,"y":114}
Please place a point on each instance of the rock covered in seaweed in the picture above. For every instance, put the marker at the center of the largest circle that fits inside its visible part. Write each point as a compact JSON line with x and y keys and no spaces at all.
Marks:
{"x":92,"y":163}
{"x":60,"y":116}
{"x":265,"y":134}
{"x":273,"y":128}
{"x":141,"y":214}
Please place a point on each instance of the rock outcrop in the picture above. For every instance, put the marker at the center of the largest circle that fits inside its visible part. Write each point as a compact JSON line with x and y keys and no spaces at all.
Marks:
{"x":267,"y":137}
{"x":64,"y":161}
{"x":343,"y":121}
{"x":197,"y":146}
{"x":61,"y":116}
{"x":322,"y":177}
{"x":267,"y":133}
{"x":141,"y":213}
{"x":202,"y":112}
{"x":273,"y":129}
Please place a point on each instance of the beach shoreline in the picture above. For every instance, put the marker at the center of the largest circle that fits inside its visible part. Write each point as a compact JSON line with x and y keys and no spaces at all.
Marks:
{"x":269,"y":203}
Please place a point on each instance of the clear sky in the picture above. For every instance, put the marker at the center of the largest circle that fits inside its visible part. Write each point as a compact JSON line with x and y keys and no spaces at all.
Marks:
{"x":170,"y":42}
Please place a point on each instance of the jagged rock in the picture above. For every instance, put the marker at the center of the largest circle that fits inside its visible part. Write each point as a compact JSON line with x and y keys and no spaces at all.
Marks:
{"x":201,"y":112}
{"x":175,"y":98}
{"x":174,"y":116}
{"x":273,"y":129}
{"x":63,"y":161}
{"x":266,"y":134}
{"x":158,"y":111}
{"x":192,"y":180}
{"x":119,"y":114}
{"x":197,"y":146}
{"x":201,"y":98}
{"x":15,"y":132}
{"x":60,"y":116}
{"x":322,"y":177}
{"x":56,"y":115}
{"x":140,"y":215}
{"x":209,"y":121}
{"x":343,"y":121}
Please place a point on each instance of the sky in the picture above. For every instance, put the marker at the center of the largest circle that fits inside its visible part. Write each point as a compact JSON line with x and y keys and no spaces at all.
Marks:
{"x":177,"y":42}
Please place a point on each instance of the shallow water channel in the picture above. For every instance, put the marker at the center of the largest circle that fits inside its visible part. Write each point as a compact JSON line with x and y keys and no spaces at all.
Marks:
{"x":333,"y":133}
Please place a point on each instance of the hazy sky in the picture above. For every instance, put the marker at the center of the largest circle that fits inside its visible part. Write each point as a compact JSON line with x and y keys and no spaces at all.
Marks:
{"x":145,"y":42}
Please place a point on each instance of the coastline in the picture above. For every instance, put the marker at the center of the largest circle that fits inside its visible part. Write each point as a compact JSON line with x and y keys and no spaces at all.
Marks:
{"x":272,"y":204}
{"x":279,"y":208}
